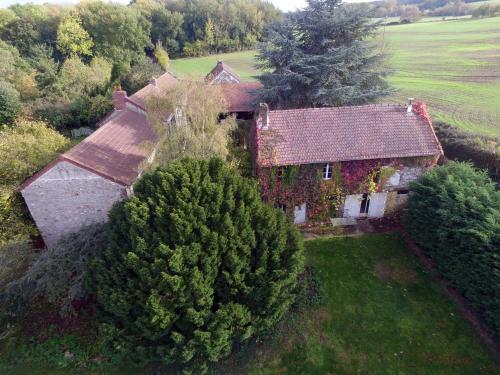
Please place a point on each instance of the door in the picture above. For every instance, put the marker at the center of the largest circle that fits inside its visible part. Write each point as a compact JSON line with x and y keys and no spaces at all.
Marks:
{"x":377,"y":205}
{"x":364,"y":205}
{"x":300,"y":214}
{"x":352,"y":205}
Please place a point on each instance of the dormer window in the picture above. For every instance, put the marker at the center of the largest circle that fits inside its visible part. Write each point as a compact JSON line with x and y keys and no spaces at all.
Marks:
{"x":327,"y":171}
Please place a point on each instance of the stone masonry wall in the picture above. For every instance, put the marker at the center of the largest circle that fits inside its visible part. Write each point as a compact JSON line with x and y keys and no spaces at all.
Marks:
{"x":67,"y":197}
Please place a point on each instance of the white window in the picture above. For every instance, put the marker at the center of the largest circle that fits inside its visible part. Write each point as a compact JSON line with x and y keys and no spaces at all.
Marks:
{"x":327,"y":171}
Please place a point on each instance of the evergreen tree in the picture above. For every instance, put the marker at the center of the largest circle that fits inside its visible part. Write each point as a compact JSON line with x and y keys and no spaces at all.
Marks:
{"x":195,"y":263}
{"x":321,"y":56}
{"x":454,"y":215}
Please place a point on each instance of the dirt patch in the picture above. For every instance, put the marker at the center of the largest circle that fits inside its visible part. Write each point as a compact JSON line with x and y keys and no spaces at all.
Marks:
{"x":386,"y":272}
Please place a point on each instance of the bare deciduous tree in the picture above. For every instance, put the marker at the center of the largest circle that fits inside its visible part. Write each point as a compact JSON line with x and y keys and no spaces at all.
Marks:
{"x":187,"y":122}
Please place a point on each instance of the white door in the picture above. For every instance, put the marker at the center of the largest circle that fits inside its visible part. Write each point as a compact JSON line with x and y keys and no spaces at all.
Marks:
{"x":377,"y":205}
{"x":300,"y":214}
{"x":352,"y":205}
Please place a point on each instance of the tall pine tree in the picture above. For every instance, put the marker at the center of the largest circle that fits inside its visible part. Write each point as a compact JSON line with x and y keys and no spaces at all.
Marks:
{"x":324,"y":55}
{"x":195,"y":263}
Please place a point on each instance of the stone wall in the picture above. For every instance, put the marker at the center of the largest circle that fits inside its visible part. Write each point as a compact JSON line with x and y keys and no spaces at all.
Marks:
{"x":67,"y":197}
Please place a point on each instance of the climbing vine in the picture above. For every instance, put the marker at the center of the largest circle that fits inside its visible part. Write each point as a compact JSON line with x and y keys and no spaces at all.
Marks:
{"x":291,"y":186}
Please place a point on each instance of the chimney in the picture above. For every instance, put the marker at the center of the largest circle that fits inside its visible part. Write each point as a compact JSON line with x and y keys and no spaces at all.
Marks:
{"x":119,"y":99}
{"x":153,"y":81}
{"x":410,"y":105}
{"x":263,"y":119}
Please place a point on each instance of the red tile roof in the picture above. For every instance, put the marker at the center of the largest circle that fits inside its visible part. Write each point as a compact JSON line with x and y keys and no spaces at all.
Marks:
{"x":318,"y":135}
{"x":241,"y":97}
{"x":163,"y":82}
{"x":116,"y":150}
{"x":220,"y":67}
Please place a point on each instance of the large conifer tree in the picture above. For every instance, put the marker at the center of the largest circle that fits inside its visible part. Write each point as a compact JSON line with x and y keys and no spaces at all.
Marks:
{"x":324,"y":55}
{"x":196,"y":262}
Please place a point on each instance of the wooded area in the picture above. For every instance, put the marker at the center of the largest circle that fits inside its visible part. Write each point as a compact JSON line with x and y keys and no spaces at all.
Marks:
{"x":60,"y":63}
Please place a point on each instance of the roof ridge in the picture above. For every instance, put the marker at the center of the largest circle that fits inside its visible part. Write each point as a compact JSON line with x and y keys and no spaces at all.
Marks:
{"x":339,"y":107}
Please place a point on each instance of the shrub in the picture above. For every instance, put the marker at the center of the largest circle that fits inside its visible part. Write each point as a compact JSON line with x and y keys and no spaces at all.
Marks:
{"x":57,"y":274}
{"x":10,"y":104}
{"x":24,"y":149}
{"x":196,"y":263}
{"x":15,"y":221}
{"x":454,"y":216}
{"x":482,"y":151}
{"x":27,"y":147}
{"x":140,"y":75}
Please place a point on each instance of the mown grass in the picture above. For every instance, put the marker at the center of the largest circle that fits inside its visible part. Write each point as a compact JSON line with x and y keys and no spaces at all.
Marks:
{"x":242,"y":62}
{"x":452,"y":65}
{"x":383,"y":315}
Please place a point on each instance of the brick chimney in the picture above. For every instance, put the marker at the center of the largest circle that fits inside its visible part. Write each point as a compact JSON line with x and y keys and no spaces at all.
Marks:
{"x":119,"y":99}
{"x":263,"y":118}
{"x":410,"y":105}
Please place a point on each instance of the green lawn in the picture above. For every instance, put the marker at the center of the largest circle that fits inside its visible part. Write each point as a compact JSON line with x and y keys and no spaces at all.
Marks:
{"x":242,"y":62}
{"x":383,"y":315}
{"x":452,"y":65}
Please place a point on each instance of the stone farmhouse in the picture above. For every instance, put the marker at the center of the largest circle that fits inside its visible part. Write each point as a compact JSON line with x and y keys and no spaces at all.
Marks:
{"x":342,"y":163}
{"x":81,"y":185}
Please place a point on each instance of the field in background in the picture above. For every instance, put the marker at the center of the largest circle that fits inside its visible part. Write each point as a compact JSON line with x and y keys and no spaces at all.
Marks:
{"x":452,"y":65}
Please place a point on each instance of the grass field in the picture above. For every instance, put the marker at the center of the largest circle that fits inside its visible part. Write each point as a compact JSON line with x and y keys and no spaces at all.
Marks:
{"x":383,"y":315}
{"x":453,"y":65}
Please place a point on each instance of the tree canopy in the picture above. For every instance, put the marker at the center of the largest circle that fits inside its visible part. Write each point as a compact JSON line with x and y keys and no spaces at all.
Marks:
{"x":186,"y":119}
{"x":72,"y":39}
{"x":25,"y":147}
{"x":195,"y":263}
{"x":323,"y":55}
{"x":454,"y":216}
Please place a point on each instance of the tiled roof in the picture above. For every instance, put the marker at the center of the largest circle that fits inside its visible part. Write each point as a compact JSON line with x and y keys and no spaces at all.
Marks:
{"x":241,"y":97}
{"x":317,"y":135}
{"x":115,"y":150}
{"x":163,"y":82}
{"x":220,"y":67}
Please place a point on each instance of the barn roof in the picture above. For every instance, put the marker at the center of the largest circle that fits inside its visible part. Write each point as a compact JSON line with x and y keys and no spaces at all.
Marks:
{"x":317,"y":135}
{"x":156,"y":85}
{"x":241,"y":97}
{"x":117,"y":148}
{"x":218,"y":69}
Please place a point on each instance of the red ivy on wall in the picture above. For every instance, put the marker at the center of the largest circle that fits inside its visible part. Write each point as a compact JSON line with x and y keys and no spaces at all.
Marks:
{"x":293,"y":185}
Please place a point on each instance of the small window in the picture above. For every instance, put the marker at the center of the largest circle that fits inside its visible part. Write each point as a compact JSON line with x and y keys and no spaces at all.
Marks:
{"x":327,"y":171}
{"x":403,"y":192}
{"x":365,"y":204}
{"x":279,"y":172}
